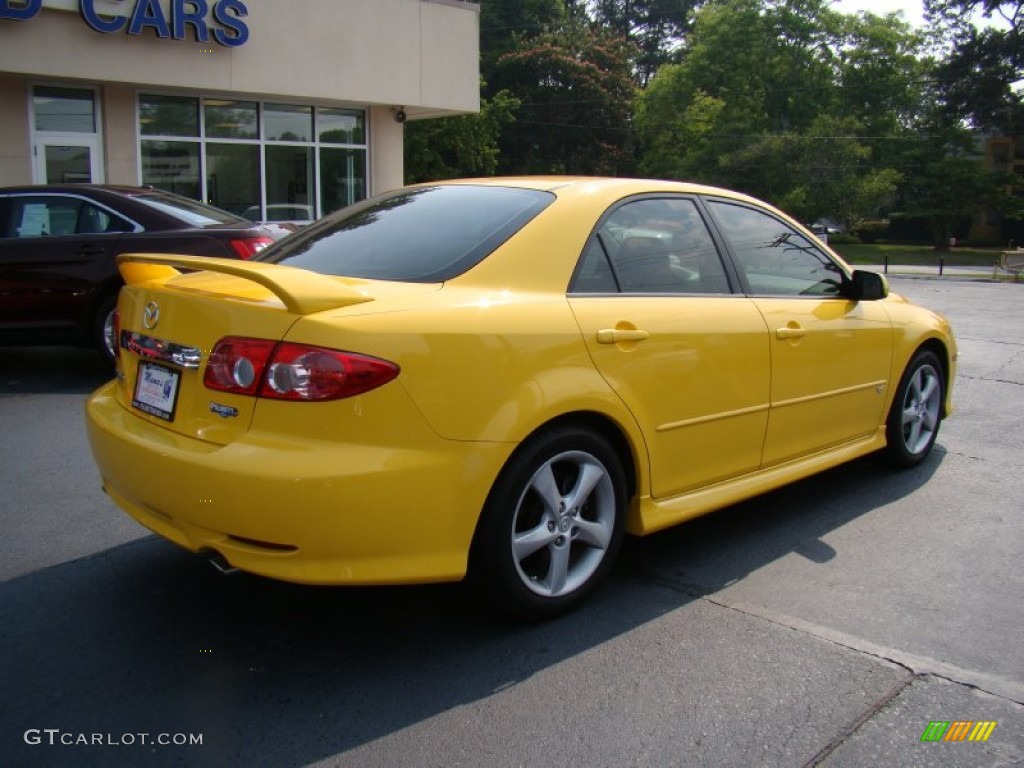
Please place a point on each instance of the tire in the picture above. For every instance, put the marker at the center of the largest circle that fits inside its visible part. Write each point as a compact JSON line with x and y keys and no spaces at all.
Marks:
{"x":916,"y":412}
{"x":103,"y":328}
{"x":552,"y":524}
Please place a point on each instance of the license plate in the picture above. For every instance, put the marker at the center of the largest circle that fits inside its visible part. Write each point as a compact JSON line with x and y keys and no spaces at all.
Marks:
{"x":156,"y":390}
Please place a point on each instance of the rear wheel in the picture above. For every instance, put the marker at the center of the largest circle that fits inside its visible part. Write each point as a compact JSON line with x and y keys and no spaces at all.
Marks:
{"x":552,"y":524}
{"x":916,"y":411}
{"x":103,"y":328}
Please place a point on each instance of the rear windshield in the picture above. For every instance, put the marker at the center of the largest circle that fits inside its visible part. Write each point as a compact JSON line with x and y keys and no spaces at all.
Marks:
{"x":194,"y":213}
{"x":428,"y":234}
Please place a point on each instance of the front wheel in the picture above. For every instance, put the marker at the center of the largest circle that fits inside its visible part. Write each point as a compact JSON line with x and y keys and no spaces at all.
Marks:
{"x":552,"y":524}
{"x":916,"y":411}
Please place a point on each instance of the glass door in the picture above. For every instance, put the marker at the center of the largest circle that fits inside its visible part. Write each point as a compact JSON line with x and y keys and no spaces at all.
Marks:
{"x":66,"y":135}
{"x":67,"y":160}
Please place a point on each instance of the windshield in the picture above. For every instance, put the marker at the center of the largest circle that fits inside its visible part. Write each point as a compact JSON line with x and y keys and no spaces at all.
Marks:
{"x":195,"y":213}
{"x":427,"y":234}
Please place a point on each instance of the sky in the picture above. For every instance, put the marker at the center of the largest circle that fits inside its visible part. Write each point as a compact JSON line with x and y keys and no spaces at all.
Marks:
{"x":913,"y":10}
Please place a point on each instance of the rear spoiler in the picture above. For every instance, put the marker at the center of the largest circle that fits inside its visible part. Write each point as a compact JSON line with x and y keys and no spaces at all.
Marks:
{"x":303,"y":292}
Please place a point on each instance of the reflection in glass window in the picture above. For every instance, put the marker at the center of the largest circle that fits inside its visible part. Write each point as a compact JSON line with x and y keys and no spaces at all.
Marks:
{"x":342,"y":178}
{"x":65,"y":110}
{"x":233,"y":176}
{"x":341,"y":126}
{"x":774,"y":257}
{"x":285,"y":122}
{"x":195,"y":213}
{"x":227,"y":119}
{"x":295,"y":156}
{"x":168,"y":115}
{"x":67,"y":165}
{"x":172,"y":165}
{"x":289,"y":183}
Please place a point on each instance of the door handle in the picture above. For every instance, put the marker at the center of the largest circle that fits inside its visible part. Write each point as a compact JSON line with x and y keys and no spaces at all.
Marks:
{"x":790,"y":333}
{"x":619,"y":335}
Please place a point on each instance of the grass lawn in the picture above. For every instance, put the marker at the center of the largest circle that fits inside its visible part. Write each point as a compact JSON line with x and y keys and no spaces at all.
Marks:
{"x":924,"y":255}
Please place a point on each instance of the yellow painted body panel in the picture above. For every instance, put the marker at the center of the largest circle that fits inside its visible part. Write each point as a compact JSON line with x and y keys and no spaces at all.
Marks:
{"x":712,"y":406}
{"x":310,"y":508}
{"x":698,"y":385}
{"x":831,"y":362}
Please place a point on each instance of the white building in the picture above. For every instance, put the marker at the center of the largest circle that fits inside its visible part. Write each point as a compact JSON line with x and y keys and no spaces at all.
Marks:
{"x":287,"y":105}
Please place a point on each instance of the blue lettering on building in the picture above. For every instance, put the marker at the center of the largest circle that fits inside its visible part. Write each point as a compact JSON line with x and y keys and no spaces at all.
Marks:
{"x":194,"y":16}
{"x":239,"y":31}
{"x":230,"y":31}
{"x":20,"y":10}
{"x":94,"y":20}
{"x":148,"y":14}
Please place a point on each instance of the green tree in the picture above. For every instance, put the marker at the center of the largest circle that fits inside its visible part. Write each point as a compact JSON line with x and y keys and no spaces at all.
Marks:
{"x":834,"y":175}
{"x":789,"y":101}
{"x":576,"y":90}
{"x":656,"y":27}
{"x":504,"y":24}
{"x":980,"y":76}
{"x":950,"y":185}
{"x":454,"y":147}
{"x":766,"y":68}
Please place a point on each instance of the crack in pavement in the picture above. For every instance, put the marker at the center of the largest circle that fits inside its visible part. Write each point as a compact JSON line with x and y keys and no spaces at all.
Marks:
{"x":918,"y":666}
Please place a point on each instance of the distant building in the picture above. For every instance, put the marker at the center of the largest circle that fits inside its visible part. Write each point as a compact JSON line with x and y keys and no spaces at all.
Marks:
{"x":277,"y":104}
{"x":1002,"y":154}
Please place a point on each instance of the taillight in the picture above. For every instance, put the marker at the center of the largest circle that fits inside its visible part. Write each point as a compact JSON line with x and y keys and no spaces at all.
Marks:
{"x":247,"y":247}
{"x":286,"y":371}
{"x":237,"y":364}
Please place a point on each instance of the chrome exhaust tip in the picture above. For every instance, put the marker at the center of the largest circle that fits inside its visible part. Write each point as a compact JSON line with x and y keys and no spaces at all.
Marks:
{"x":220,"y":563}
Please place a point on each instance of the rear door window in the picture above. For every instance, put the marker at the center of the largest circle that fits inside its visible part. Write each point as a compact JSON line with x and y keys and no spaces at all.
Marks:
{"x":652,"y":246}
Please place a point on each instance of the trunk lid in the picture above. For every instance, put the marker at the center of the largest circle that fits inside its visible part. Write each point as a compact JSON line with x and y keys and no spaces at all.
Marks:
{"x":170,"y":321}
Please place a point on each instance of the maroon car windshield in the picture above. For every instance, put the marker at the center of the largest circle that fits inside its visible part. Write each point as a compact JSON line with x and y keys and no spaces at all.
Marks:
{"x":194,"y":213}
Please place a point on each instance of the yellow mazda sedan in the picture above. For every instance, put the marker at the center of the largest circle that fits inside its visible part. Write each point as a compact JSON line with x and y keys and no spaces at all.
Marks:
{"x":496,"y":379}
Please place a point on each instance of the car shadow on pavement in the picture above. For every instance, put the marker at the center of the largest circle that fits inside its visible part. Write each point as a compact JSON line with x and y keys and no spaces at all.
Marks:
{"x":714,"y":551}
{"x":51,"y":370}
{"x":145,"y":638}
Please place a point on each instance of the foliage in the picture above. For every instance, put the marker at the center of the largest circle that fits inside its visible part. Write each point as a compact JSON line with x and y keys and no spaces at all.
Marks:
{"x":778,"y":99}
{"x":576,"y":91}
{"x":656,"y":27}
{"x":847,"y":116}
{"x":950,"y":185}
{"x":454,"y":147}
{"x":506,"y":23}
{"x":979,"y":77}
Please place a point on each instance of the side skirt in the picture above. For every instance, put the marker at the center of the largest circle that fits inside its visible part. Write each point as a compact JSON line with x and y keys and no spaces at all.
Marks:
{"x":648,"y":515}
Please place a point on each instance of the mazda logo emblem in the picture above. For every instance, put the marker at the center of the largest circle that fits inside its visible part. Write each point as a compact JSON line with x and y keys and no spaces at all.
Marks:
{"x":151,"y":315}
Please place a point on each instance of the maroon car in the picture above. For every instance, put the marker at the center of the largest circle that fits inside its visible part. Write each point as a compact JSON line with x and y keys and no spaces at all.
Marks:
{"x":58,"y":243}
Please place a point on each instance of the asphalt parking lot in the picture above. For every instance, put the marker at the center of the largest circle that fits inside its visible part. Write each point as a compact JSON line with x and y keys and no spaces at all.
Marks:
{"x":828,"y":623}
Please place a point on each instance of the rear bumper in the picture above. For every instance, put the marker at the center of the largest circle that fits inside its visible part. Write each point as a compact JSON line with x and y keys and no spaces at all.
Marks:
{"x":310,"y":511}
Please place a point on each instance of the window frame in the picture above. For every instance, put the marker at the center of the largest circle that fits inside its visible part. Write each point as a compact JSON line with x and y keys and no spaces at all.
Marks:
{"x":722,"y":252}
{"x":815,"y":245}
{"x":315,"y":144}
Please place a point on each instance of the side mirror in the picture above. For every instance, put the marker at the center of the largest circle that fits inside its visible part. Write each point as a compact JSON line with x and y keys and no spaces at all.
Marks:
{"x":867,"y":286}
